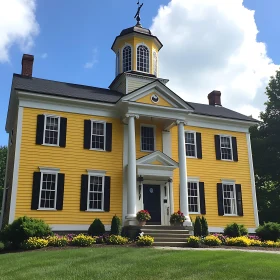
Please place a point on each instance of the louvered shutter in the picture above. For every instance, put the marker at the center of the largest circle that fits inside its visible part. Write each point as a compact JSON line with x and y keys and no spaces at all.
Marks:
{"x":60,"y":191}
{"x":220,"y":199}
{"x":40,"y":129}
{"x":107,"y":188}
{"x":202,"y":198}
{"x":87,"y":134}
{"x":239,"y":200}
{"x":198,"y":145}
{"x":36,"y":190}
{"x":218,"y":147}
{"x":63,"y":129}
{"x":109,"y":137}
{"x":234,"y":148}
{"x":84,"y":193}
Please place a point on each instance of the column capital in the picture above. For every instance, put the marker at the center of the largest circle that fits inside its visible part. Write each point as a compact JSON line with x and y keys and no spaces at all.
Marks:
{"x":128,"y":115}
{"x":181,"y":121}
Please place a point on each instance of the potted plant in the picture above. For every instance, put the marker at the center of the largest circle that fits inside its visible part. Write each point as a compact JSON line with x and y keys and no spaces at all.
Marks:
{"x":142,"y":216}
{"x":177,"y":218}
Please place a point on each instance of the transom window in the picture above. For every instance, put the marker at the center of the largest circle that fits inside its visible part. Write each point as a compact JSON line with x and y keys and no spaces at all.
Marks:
{"x":193,"y":197}
{"x":226,"y":147}
{"x":51,"y":132}
{"x":48,"y":189}
{"x":98,"y":135}
{"x":127,"y":59}
{"x":143,"y":60}
{"x":96,"y":193}
{"x":147,"y":138}
{"x":229,"y":199}
{"x":190,"y":140}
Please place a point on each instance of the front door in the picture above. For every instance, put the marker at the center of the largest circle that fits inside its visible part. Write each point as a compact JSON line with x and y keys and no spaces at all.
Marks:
{"x":151,"y":201}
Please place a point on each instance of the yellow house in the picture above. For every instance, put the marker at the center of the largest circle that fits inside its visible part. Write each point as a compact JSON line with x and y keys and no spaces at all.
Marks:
{"x":78,"y":152}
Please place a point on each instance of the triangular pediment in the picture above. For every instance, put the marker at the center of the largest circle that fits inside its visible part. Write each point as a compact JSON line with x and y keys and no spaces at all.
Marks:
{"x":157,"y":94}
{"x":157,"y":159}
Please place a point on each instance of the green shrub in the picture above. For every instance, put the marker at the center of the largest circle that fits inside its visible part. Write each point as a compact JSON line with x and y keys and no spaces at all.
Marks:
{"x":269,"y":231}
{"x":33,"y":243}
{"x":204,"y":227}
{"x":83,"y":240}
{"x":145,"y":240}
{"x":2,"y":246}
{"x":58,"y":241}
{"x":116,"y":226}
{"x":193,"y":241}
{"x":197,"y":227}
{"x":23,"y":228}
{"x":96,"y":228}
{"x":212,"y":240}
{"x":235,"y":230}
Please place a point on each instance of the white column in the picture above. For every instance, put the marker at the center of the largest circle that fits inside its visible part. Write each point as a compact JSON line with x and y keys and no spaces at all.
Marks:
{"x":131,"y":171}
{"x":184,"y":207}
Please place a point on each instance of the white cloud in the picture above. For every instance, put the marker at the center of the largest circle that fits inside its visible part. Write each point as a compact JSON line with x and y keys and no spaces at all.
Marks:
{"x":212,"y":44}
{"x":18,"y":25}
{"x":44,"y":55}
{"x":93,"y":61}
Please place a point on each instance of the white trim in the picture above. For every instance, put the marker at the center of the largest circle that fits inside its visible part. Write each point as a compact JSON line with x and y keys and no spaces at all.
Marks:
{"x":88,"y":191}
{"x":155,"y":131}
{"x":231,"y":183}
{"x":92,"y":172}
{"x":228,"y":181}
{"x":52,"y":171}
{"x":125,"y":177}
{"x":157,"y":156}
{"x":58,"y":131}
{"x":49,"y":170}
{"x":221,"y":229}
{"x":196,"y":181}
{"x":195,"y":146}
{"x":253,"y":185}
{"x":136,"y":52}
{"x":167,"y":143}
{"x":104,"y":123}
{"x":57,"y":227}
{"x":16,"y":166}
{"x":231,"y":149}
{"x":5,"y":183}
{"x":157,"y":72}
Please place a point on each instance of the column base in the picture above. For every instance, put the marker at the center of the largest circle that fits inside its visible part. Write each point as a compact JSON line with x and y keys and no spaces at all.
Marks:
{"x":187,"y":222}
{"x":130,"y":220}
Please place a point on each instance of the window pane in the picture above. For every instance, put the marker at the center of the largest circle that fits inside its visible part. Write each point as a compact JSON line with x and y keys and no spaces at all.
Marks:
{"x":51,"y":131}
{"x":143,"y":59}
{"x":98,"y":136}
{"x":48,"y":191}
{"x":193,"y":197}
{"x":190,"y":144}
{"x":226,"y":151}
{"x":147,"y":138}
{"x":229,"y":199}
{"x":95,"y":196}
{"x":127,"y":59}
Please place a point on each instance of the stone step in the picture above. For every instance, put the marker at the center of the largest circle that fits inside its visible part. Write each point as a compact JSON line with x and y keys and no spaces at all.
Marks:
{"x":169,"y":239}
{"x":170,"y":244}
{"x":154,"y":231}
{"x":170,"y":235}
{"x":163,"y":227}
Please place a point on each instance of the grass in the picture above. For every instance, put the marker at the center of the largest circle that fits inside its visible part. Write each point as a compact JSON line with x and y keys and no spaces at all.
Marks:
{"x":133,"y":263}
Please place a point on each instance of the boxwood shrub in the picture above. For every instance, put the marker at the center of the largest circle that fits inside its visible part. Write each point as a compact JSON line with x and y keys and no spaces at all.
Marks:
{"x":235,"y":230}
{"x":96,"y":228}
{"x":269,"y":231}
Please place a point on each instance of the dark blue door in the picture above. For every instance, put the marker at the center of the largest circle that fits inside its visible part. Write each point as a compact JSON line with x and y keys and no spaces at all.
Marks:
{"x":151,"y":200}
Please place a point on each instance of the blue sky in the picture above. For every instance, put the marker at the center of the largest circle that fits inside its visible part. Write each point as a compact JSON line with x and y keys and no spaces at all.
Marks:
{"x":73,"y":33}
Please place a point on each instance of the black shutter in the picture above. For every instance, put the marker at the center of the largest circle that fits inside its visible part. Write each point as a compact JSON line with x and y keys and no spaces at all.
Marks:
{"x":217,"y":147}
{"x":87,"y":134}
{"x":108,"y":137}
{"x":60,"y":191}
{"x":234,"y":148}
{"x":198,"y":145}
{"x":36,"y":190}
{"x":202,"y":198}
{"x":63,"y":129}
{"x":107,"y":194}
{"x":40,"y":129}
{"x":84,"y":193}
{"x":239,"y":200}
{"x":220,"y":199}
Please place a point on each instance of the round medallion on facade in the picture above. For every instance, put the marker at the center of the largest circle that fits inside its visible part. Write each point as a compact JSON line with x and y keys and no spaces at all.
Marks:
{"x":155,"y":98}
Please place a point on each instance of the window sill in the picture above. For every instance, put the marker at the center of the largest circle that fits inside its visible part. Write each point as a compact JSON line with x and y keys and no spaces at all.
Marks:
{"x":50,"y":145}
{"x":230,"y":215}
{"x":230,"y":160}
{"x":194,"y":213}
{"x":191,"y":157}
{"x":97,"y":150}
{"x":96,"y":211}
{"x":143,"y":151}
{"x":46,"y":209}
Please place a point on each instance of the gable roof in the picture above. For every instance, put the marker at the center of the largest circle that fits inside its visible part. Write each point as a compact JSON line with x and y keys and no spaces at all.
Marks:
{"x":82,"y":92}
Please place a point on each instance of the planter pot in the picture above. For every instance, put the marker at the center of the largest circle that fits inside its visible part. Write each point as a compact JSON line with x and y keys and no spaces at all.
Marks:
{"x":142,"y":223}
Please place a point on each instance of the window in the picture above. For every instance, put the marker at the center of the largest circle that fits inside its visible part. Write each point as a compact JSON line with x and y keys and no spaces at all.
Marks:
{"x":127,"y":59}
{"x":155,"y":62}
{"x":98,"y":131}
{"x":96,"y":193}
{"x":190,"y":140}
{"x":226,"y":147}
{"x":48,"y":189}
{"x":117,"y":62}
{"x":193,"y":197}
{"x":143,"y":60}
{"x":51,"y":131}
{"x":147,"y":138}
{"x":229,"y":199}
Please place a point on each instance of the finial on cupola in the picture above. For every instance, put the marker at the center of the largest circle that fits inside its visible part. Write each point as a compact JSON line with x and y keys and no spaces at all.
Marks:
{"x":137,"y":16}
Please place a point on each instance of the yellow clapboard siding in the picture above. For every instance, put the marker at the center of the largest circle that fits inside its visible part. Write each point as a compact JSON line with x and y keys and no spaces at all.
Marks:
{"x":211,"y":171}
{"x":147,"y":100}
{"x":73,"y":161}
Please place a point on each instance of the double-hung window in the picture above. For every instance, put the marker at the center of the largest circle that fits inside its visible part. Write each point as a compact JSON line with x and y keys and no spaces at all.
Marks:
{"x":143,"y":59}
{"x":193,"y":197}
{"x":127,"y":59}
{"x":98,"y":132}
{"x":96,"y":193}
{"x":147,"y":138}
{"x":229,"y":199}
{"x":226,"y":147}
{"x":51,"y":130}
{"x":48,"y":190}
{"x":190,"y":141}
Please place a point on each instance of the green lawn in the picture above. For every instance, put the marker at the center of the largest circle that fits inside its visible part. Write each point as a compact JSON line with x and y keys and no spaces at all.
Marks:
{"x":133,"y":263}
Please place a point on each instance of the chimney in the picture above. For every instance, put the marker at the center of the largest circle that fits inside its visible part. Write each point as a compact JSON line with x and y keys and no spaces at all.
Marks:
{"x":27,"y":65}
{"x":215,"y":98}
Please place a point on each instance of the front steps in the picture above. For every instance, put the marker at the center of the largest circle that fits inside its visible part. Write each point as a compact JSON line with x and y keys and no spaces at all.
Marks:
{"x":167,"y":236}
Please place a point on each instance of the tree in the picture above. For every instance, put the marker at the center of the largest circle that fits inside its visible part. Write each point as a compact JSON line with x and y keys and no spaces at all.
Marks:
{"x":197,"y":227}
{"x":266,"y":154}
{"x":3,"y":158}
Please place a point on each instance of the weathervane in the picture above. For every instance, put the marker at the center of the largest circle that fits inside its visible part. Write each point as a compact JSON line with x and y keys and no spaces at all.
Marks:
{"x":137,"y":16}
